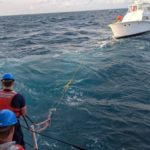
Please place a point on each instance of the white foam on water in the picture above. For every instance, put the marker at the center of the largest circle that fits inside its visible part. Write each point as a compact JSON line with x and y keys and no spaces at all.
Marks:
{"x":106,"y":42}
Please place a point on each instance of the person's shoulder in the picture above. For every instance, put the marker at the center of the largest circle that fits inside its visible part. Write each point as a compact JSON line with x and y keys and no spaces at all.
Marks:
{"x":18,"y":101}
{"x":16,"y":147}
{"x":11,"y":146}
{"x":19,"y":147}
{"x":18,"y":95}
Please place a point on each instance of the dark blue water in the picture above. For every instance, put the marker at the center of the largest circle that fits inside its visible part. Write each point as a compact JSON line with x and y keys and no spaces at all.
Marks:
{"x":107,"y":106}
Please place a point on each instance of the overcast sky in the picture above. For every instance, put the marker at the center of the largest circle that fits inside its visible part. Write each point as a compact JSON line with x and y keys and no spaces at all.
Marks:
{"x":12,"y":7}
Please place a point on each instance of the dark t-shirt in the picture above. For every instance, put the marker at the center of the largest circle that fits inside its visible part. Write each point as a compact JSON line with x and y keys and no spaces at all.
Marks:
{"x":18,"y":101}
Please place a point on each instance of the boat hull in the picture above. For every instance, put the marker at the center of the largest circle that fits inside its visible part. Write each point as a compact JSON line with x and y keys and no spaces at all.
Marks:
{"x":126,"y":29}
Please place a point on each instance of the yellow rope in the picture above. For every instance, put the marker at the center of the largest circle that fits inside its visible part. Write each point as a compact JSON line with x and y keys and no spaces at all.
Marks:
{"x":69,"y":83}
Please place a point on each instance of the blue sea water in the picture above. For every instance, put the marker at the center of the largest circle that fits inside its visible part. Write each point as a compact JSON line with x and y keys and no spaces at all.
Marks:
{"x":107,"y":106}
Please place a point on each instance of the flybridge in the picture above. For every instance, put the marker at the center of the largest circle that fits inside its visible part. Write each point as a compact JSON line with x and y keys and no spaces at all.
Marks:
{"x":136,"y":21}
{"x":141,"y":1}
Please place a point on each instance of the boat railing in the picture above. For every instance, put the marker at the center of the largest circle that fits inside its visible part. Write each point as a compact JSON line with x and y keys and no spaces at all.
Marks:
{"x":146,"y":18}
{"x":134,"y":8}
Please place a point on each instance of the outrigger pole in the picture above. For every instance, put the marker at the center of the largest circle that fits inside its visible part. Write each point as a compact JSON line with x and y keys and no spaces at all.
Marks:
{"x":34,"y":137}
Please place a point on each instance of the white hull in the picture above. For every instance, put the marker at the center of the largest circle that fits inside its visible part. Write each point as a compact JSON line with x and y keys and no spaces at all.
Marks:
{"x":125,"y":29}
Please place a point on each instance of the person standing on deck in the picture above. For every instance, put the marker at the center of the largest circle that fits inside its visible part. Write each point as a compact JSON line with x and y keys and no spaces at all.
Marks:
{"x":7,"y":127}
{"x":13,"y":101}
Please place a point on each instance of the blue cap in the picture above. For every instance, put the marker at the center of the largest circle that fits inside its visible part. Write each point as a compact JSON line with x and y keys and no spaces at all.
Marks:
{"x":8,"y":76}
{"x":7,"y":118}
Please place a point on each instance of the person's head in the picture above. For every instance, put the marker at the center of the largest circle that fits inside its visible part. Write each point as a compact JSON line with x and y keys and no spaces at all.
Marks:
{"x":7,"y":122}
{"x":7,"y":81}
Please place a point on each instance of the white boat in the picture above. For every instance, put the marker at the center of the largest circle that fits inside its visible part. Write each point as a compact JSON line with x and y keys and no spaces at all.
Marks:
{"x":136,"y":21}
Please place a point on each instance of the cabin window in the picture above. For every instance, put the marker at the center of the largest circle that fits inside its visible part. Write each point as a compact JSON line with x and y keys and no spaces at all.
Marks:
{"x":146,"y":17}
{"x":139,"y":7}
{"x":148,"y":8}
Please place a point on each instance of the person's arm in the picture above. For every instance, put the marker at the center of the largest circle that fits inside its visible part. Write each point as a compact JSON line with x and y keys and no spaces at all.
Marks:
{"x":24,"y":111}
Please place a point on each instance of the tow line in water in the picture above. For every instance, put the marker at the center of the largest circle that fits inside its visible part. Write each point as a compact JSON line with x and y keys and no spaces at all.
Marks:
{"x":37,"y":128}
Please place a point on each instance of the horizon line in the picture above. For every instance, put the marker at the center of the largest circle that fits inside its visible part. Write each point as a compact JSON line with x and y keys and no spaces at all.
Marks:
{"x":40,"y":13}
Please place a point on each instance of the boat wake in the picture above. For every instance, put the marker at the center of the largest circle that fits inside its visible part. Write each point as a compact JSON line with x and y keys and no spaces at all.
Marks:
{"x":107,"y":42}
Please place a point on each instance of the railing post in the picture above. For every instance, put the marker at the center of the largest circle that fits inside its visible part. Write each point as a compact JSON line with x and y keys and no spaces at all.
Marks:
{"x":34,"y":137}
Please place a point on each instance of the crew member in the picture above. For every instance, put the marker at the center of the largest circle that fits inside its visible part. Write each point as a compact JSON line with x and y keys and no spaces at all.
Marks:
{"x":11,"y":100}
{"x":7,"y":127}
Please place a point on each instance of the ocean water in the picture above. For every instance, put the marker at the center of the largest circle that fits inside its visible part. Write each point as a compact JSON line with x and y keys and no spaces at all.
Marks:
{"x":107,"y":106}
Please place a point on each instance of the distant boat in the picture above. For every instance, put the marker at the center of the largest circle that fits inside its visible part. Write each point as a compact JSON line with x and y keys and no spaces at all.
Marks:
{"x":136,"y":21}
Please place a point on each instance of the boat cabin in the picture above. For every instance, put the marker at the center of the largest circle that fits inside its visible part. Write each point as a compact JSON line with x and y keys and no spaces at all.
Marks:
{"x":146,"y":11}
{"x":134,"y":8}
{"x":138,"y":12}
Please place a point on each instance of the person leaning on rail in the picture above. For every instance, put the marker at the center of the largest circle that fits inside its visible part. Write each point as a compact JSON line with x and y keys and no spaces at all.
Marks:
{"x":13,"y":101}
{"x":7,"y":127}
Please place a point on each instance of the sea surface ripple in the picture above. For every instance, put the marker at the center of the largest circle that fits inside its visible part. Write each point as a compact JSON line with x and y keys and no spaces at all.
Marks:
{"x":107,"y":106}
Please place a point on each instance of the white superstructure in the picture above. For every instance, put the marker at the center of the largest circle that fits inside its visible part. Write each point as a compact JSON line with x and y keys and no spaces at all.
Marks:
{"x":136,"y":20}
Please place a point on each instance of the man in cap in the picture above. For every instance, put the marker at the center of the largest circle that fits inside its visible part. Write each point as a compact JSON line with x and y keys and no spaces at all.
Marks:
{"x":7,"y":127}
{"x":13,"y":101}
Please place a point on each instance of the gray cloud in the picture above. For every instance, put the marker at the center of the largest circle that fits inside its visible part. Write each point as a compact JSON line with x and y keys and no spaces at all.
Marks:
{"x":47,"y":6}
